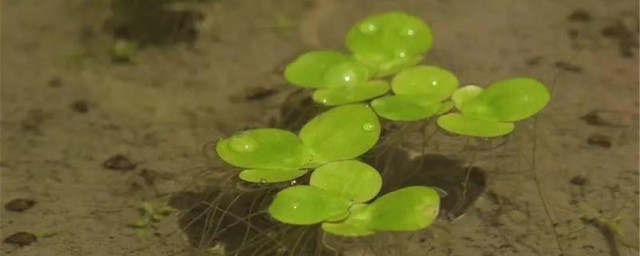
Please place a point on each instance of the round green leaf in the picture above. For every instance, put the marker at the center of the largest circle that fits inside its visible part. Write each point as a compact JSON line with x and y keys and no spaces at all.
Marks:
{"x":345,"y":229}
{"x":309,"y":69}
{"x":270,"y":176}
{"x":306,"y":205}
{"x":263,"y":149}
{"x":432,"y":82}
{"x":508,"y":101}
{"x":390,"y":35}
{"x":343,"y":132}
{"x":406,"y":209}
{"x":459,"y":124}
{"x":405,"y":107}
{"x":348,"y":73}
{"x":351,"y":94}
{"x":464,"y":94}
{"x":350,"y":178}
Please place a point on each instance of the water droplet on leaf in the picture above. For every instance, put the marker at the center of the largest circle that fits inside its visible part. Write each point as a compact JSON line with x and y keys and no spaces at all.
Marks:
{"x":262,"y":180}
{"x":368,"y":127}
{"x":401,"y":53}
{"x":293,"y":182}
{"x":368,"y":28}
{"x":243,"y":144}
{"x":408,"y":32}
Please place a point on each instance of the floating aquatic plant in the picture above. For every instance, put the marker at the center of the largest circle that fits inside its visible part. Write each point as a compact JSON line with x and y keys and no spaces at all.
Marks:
{"x":274,"y":155}
{"x":419,"y":94}
{"x":389,"y":42}
{"x":491,"y":112}
{"x":336,"y":197}
{"x":342,"y":192}
{"x":381,"y":45}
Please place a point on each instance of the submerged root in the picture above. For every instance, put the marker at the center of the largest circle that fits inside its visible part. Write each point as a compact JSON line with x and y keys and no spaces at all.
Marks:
{"x":235,"y":221}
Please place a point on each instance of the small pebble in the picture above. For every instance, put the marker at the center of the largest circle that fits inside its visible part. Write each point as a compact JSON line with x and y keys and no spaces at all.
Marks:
{"x":578,"y":181}
{"x":19,"y":205}
{"x":580,"y":16}
{"x":592,"y":118}
{"x":599,"y":140}
{"x":80,"y":106}
{"x":55,"y":82}
{"x":119,"y":163}
{"x":21,"y":238}
{"x":573,"y":34}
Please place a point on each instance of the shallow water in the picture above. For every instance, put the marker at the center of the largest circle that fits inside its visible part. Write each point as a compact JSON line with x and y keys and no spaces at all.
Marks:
{"x":216,"y":67}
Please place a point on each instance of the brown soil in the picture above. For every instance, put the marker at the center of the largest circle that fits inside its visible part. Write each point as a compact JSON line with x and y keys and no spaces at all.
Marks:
{"x":86,"y":138}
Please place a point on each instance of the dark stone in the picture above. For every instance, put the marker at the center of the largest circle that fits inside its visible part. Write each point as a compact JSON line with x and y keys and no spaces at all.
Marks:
{"x":600,"y":140}
{"x":578,"y":181}
{"x":19,"y":205}
{"x":579,"y":16}
{"x":21,"y":238}
{"x":80,"y":106}
{"x":119,"y":163}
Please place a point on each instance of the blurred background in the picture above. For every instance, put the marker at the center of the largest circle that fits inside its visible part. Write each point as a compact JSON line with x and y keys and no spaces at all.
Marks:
{"x":108,"y":103}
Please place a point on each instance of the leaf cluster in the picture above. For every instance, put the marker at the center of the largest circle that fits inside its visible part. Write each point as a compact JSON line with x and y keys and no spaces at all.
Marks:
{"x":341,"y":188}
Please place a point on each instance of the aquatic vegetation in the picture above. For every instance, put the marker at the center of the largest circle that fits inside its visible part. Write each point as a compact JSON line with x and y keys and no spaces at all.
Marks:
{"x":381,"y":45}
{"x":342,"y":191}
{"x":336,"y":196}
{"x":274,"y":155}
{"x":419,"y":94}
{"x":491,"y":112}
{"x":150,"y":213}
{"x":389,"y":42}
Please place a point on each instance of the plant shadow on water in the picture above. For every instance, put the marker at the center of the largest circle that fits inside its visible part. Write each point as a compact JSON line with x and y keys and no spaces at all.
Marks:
{"x":233,"y":217}
{"x":234,"y":220}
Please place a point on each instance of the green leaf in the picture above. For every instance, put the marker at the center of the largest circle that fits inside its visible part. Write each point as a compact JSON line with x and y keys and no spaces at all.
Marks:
{"x":508,"y":101}
{"x":432,"y":82}
{"x":343,"y":132}
{"x":383,"y":38}
{"x":263,"y":149}
{"x":309,"y":69}
{"x":270,"y":176}
{"x":351,"y":94}
{"x":345,"y":229}
{"x":445,"y":107}
{"x":351,"y":179}
{"x":465,"y":94}
{"x":405,"y":107}
{"x":348,"y":73}
{"x":406,"y":209}
{"x":306,"y":205}
{"x":385,"y":65}
{"x":339,"y":217}
{"x":459,"y":124}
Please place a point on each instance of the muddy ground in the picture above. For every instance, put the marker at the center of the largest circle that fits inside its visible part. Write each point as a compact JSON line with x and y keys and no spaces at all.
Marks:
{"x":205,"y":69}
